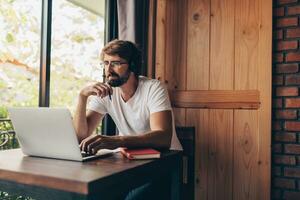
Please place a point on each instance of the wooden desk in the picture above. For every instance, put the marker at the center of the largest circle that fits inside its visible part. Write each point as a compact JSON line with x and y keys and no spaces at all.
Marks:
{"x":104,"y":178}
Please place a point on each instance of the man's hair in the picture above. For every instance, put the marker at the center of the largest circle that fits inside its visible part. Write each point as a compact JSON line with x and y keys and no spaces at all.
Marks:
{"x":126,"y":50}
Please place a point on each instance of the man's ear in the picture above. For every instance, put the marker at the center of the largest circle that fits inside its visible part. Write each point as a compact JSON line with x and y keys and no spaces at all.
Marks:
{"x":131,"y":66}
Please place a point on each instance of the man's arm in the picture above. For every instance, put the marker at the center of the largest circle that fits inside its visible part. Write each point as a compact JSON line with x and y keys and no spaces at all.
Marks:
{"x":159,"y":136}
{"x":85,"y":122}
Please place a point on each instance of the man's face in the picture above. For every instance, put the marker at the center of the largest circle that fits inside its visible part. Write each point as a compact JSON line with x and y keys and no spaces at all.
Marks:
{"x":116,"y":70}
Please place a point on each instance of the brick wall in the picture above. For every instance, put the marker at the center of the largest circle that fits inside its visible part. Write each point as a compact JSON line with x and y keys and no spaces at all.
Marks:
{"x":286,"y":100}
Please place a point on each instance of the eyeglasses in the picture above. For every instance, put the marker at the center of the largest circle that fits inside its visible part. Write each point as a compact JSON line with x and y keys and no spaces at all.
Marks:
{"x":112,"y":63}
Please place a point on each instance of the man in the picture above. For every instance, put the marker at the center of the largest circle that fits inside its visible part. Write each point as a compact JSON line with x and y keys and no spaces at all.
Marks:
{"x":139,"y":106}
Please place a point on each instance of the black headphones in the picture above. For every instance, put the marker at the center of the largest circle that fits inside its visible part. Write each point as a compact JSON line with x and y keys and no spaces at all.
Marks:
{"x":135,"y":62}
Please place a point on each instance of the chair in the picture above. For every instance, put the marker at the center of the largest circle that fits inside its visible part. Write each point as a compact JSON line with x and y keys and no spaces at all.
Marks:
{"x":186,"y":136}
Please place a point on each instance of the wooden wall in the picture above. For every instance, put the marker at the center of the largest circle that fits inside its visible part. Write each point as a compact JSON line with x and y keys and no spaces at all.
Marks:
{"x":215,"y":57}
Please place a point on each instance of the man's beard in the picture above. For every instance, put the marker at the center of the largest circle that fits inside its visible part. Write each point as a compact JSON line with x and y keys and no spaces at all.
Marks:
{"x":119,"y":81}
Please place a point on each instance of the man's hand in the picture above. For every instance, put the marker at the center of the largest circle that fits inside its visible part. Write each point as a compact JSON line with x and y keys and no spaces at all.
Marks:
{"x":94,"y":143}
{"x":99,"y":89}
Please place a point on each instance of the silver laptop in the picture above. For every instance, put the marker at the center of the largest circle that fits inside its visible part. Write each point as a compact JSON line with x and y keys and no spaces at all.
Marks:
{"x":48,"y":132}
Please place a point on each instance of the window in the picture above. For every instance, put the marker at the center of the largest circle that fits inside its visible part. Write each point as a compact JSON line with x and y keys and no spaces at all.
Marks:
{"x":77,"y":38}
{"x":20,"y":35}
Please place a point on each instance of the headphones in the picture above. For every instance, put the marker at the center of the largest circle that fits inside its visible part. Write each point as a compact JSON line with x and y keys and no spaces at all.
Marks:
{"x":135,"y":62}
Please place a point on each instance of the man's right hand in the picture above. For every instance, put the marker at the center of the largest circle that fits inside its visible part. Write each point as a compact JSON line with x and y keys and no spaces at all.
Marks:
{"x":98,"y":89}
{"x":93,"y":143}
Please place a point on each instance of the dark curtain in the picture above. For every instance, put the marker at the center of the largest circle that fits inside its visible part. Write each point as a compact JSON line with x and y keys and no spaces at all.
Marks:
{"x":111,"y":26}
{"x":133,"y":25}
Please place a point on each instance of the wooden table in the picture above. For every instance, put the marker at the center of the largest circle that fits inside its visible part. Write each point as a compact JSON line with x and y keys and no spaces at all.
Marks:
{"x":104,"y":178}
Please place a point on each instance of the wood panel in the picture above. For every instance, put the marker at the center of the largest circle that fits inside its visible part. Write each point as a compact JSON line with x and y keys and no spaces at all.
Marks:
{"x":198,"y":44}
{"x":160,"y":49}
{"x":170,"y":48}
{"x":180,"y":73}
{"x":199,"y":119}
{"x":242,"y":99}
{"x":247,"y":24}
{"x":246,"y":161}
{"x":225,"y":63}
{"x":265,"y":88}
{"x":175,"y":72}
{"x":222,"y":45}
{"x":180,"y":116}
{"x":220,"y":155}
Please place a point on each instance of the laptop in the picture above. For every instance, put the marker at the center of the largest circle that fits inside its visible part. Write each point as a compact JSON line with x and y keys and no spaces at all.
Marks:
{"x":49,"y":132}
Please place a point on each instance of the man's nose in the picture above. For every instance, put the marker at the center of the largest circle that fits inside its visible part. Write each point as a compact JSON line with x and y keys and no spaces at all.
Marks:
{"x":109,"y":68}
{"x":108,"y":72}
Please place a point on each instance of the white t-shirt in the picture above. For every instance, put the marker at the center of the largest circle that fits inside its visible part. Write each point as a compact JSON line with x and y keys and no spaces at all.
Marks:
{"x":133,"y":117}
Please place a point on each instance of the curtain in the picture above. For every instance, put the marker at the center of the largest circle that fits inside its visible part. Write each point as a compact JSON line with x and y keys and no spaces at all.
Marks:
{"x":111,"y":32}
{"x":133,"y":25}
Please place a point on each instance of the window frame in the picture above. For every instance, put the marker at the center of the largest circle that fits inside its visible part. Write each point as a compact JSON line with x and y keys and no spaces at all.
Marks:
{"x":45,"y":54}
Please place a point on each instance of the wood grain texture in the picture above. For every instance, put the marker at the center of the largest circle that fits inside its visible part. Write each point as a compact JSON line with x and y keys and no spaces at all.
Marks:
{"x":160,"y":50}
{"x":222,"y":45}
{"x":213,"y":105}
{"x":246,"y":161}
{"x":247,"y":25}
{"x":220,"y":154}
{"x":198,"y":44}
{"x":180,"y":116}
{"x":239,"y":99}
{"x":180,"y":71}
{"x":228,"y":66}
{"x":200,"y":120}
{"x":171,"y":45}
{"x":171,"y":49}
{"x":265,"y":88}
